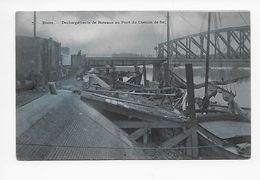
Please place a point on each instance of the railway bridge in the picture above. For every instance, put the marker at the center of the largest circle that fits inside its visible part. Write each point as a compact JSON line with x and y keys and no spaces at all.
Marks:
{"x":228,"y":47}
{"x":123,"y":61}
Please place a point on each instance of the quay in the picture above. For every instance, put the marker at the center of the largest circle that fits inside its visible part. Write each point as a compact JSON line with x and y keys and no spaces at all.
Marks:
{"x":62,"y":127}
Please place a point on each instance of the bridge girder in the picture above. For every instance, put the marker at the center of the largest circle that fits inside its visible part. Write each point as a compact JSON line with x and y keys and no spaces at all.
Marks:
{"x":226,"y":43}
{"x":122,"y":61}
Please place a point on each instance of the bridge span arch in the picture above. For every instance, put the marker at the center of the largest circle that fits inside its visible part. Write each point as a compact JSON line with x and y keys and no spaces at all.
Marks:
{"x":226,"y":43}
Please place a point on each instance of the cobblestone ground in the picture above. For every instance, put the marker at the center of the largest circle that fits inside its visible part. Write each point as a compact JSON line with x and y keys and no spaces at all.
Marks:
{"x":73,"y":130}
{"x":25,"y":97}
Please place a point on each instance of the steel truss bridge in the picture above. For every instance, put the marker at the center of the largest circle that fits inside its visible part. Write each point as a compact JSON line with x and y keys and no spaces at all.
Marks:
{"x":230,"y":46}
{"x":227,"y":44}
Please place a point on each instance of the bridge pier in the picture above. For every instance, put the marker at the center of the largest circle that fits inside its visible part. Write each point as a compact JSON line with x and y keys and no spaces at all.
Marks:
{"x":157,"y":70}
{"x":136,"y":66}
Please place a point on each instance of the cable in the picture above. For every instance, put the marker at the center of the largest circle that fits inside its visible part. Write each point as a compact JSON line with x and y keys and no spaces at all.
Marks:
{"x":243,"y":18}
{"x":162,"y":33}
{"x":217,"y":17}
{"x":203,"y":22}
{"x":187,"y":21}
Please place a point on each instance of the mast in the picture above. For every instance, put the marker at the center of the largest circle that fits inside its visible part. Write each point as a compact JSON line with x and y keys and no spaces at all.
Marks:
{"x":207,"y":57}
{"x":168,"y":51}
{"x":34,"y":24}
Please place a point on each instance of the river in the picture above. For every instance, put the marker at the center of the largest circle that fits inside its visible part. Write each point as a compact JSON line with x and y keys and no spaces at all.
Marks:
{"x":242,"y":88}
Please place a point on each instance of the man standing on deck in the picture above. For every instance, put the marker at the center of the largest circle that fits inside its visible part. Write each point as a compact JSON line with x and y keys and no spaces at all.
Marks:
{"x":206,"y":99}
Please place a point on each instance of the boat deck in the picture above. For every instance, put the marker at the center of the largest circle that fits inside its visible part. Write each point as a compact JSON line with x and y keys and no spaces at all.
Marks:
{"x":227,"y":129}
{"x":136,"y":109}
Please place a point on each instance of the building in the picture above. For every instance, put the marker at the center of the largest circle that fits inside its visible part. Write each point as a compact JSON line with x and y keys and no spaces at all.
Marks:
{"x":37,"y":60}
{"x":79,"y":63}
{"x":78,"y":60}
{"x":65,"y":56}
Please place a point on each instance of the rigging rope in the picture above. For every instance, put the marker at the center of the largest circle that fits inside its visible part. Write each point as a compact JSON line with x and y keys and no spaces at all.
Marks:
{"x":243,"y":18}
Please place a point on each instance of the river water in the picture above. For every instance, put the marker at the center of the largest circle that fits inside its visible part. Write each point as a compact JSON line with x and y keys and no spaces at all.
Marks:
{"x":240,"y":88}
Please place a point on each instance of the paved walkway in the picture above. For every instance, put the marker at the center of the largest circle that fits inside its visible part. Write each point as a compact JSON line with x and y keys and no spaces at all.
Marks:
{"x":60,"y":127}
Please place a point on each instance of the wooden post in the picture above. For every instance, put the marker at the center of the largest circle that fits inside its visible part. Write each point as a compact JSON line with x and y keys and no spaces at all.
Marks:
{"x":166,"y":67}
{"x":145,"y":138}
{"x":205,"y":100}
{"x":52,"y":88}
{"x":207,"y":57}
{"x":191,"y":111}
{"x":188,"y":144}
{"x":34,"y":24}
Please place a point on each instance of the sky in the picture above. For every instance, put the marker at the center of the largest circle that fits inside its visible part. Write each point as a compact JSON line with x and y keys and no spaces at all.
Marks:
{"x":106,"y":39}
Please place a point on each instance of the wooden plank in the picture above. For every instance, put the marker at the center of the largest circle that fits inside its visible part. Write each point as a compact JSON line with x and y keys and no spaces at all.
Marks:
{"x":188,"y":147}
{"x":227,"y":129}
{"x":209,"y":135}
{"x":132,"y":93}
{"x":145,"y":138}
{"x":145,"y":124}
{"x":190,"y":93}
{"x":176,"y":139}
{"x":225,"y":154}
{"x":220,"y":117}
{"x":194,"y":143}
{"x":138,"y":133}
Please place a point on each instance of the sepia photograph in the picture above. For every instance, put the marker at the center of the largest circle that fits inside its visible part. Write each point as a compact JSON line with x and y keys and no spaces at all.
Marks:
{"x":132,"y":85}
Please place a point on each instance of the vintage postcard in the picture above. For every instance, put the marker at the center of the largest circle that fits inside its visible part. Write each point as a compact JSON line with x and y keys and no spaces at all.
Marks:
{"x":109,"y":85}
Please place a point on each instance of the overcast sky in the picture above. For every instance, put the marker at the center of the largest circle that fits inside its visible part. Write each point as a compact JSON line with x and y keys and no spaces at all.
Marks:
{"x":97,"y":39}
